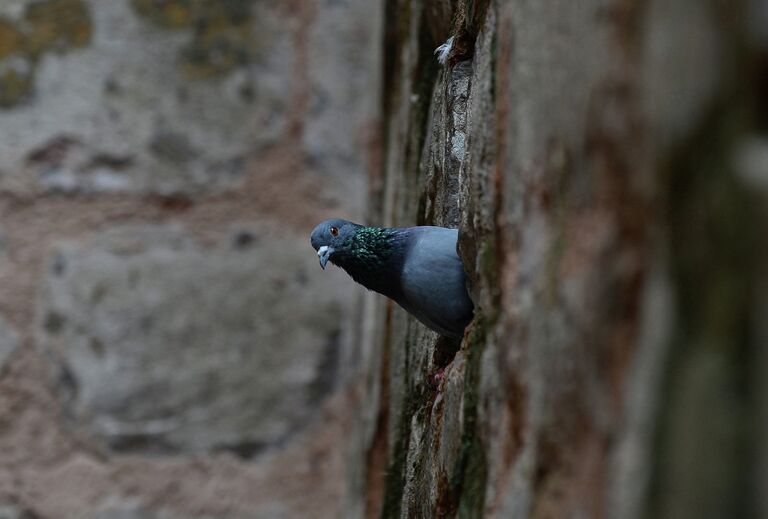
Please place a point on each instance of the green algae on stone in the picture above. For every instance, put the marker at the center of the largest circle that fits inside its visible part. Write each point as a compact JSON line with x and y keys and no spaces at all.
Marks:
{"x":218,"y":46}
{"x":470,"y":472}
{"x":47,"y":26}
{"x":11,"y":38}
{"x":171,"y":14}
{"x":222,"y":36}
{"x":57,"y":25}
{"x":15,"y":86}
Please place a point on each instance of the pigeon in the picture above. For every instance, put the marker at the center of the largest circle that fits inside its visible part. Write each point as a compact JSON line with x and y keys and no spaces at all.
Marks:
{"x":417,"y":267}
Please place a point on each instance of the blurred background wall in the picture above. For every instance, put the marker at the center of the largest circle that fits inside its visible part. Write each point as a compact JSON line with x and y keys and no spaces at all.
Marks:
{"x":169,"y":347}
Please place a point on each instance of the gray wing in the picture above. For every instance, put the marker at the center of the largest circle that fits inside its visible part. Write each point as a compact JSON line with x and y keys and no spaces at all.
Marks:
{"x":434,"y":283}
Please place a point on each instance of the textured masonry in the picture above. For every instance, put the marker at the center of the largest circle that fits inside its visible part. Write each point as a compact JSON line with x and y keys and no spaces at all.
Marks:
{"x":616,"y":255}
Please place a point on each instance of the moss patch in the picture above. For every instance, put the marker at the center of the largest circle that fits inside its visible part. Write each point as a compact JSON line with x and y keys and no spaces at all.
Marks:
{"x":11,"y":38}
{"x":57,"y":25}
{"x":396,"y":470}
{"x":47,"y":26}
{"x":15,"y":85}
{"x":222,"y":32}
{"x":471,"y":470}
{"x":171,"y":14}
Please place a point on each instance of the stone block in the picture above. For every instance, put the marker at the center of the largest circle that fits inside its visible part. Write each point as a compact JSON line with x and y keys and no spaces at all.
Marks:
{"x":177,"y":97}
{"x":167,"y":346}
{"x":120,"y":112}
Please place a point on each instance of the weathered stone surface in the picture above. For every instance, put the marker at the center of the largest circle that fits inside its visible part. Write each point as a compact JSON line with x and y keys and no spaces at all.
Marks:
{"x":343,"y":74}
{"x":125,"y":509}
{"x":9,"y":342}
{"x":217,"y":116}
{"x":166,"y":346}
{"x":222,"y":36}
{"x":27,"y":35}
{"x":610,"y":198}
{"x":150,"y":129}
{"x":15,"y":512}
{"x":178,"y":97}
{"x":604,"y":161}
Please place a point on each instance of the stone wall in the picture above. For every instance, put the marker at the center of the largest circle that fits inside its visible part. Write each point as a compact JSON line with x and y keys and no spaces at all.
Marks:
{"x":168,"y":347}
{"x":605,"y":162}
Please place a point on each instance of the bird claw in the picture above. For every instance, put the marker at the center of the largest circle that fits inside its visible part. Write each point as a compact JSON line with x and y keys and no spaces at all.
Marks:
{"x":436,"y":378}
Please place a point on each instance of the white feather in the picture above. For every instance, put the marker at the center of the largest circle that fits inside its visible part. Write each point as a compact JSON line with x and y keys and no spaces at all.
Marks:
{"x":443,"y":50}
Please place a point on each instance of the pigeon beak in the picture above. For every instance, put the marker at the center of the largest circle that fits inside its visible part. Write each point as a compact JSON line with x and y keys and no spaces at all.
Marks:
{"x":324,"y":253}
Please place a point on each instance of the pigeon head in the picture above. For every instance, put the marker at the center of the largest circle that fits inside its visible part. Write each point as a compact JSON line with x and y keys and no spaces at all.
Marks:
{"x":364,"y":252}
{"x":333,"y":240}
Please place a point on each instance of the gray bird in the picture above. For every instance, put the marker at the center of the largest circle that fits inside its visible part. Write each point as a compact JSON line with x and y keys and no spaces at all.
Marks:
{"x":417,"y":267}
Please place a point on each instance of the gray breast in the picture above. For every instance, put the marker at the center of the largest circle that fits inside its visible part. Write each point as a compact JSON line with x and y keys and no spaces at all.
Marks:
{"x":434,"y":282}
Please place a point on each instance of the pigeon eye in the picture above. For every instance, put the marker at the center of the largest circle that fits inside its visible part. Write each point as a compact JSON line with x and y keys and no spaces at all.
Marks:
{"x":334,"y":231}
